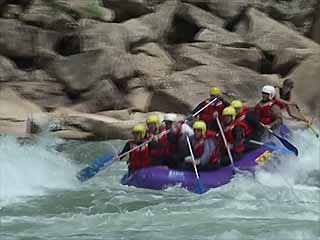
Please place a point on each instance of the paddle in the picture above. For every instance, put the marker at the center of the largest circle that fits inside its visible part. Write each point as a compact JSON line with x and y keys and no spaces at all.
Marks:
{"x":284,"y":141}
{"x":103,"y":162}
{"x":225,"y":142}
{"x":204,"y":107}
{"x":272,"y":147}
{"x":199,"y":186}
{"x":313,"y":130}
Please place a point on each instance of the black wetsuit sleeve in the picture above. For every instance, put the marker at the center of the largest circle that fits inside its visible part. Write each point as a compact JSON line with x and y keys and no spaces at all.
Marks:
{"x":198,"y":107}
{"x":125,"y":149}
{"x":238,"y":135}
{"x":225,"y":102}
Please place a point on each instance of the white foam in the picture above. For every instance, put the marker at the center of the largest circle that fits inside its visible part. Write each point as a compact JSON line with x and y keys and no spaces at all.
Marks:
{"x":32,"y":169}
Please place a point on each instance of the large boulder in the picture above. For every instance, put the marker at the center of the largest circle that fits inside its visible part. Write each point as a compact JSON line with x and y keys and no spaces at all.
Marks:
{"x":154,"y":26}
{"x":187,"y":88}
{"x":148,"y":28}
{"x":316,"y":25}
{"x":270,"y":35}
{"x":85,"y":9}
{"x":20,"y":40}
{"x":102,"y":127}
{"x":198,"y":17}
{"x":80,"y":72}
{"x":104,"y":95}
{"x":11,"y":11}
{"x":306,"y":78}
{"x":220,"y":36}
{"x":152,"y":61}
{"x":13,"y":107}
{"x":286,"y":59}
{"x":196,"y":54}
{"x":41,"y":13}
{"x":298,"y":14}
{"x":125,"y":9}
{"x":9,"y":71}
{"x":41,"y":89}
{"x":139,"y":99}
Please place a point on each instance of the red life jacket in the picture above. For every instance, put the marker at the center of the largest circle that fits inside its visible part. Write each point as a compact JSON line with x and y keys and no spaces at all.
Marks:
{"x":139,"y":158}
{"x":199,"y":147}
{"x":244,"y":110}
{"x":207,"y":114}
{"x":263,"y":111}
{"x":163,"y":152}
{"x":240,"y":148}
{"x":241,"y":120}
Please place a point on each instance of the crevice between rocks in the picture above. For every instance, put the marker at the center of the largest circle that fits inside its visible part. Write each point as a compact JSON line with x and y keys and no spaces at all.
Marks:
{"x":182,"y":31}
{"x":68,"y":45}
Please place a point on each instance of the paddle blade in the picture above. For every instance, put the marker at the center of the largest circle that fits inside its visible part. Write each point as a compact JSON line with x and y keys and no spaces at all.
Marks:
{"x":288,"y":145}
{"x":94,"y":167}
{"x":199,"y":187}
{"x":278,"y":149}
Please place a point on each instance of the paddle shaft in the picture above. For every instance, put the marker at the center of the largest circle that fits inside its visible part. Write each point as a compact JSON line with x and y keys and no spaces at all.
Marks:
{"x":225,"y":141}
{"x":204,"y":107}
{"x":192,"y":157}
{"x":276,"y":148}
{"x":165,"y":132}
{"x":309,"y":125}
{"x":284,"y":141}
{"x":142,"y":144}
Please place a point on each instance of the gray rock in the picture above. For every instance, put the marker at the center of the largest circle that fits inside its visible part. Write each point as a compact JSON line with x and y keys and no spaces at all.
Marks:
{"x":299,"y":13}
{"x":306,"y":78}
{"x":149,"y":28}
{"x":9,"y":71}
{"x":316,"y":26}
{"x":152,"y":61}
{"x":125,"y":9}
{"x":191,"y":86}
{"x":42,"y":14}
{"x":41,"y":89}
{"x":20,"y":40}
{"x":270,"y":35}
{"x":287,"y":58}
{"x":198,"y":16}
{"x":14,"y":107}
{"x":196,"y":54}
{"x":80,"y":72}
{"x":220,"y":36}
{"x":11,"y":11}
{"x":85,"y":9}
{"x":104,"y":95}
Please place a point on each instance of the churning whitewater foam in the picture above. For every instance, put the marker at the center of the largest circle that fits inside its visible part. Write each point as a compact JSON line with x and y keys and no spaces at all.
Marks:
{"x":32,"y":169}
{"x":291,"y":170}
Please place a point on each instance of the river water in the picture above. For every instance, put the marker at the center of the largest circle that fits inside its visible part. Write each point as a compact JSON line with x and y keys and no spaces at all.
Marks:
{"x":40,"y":198}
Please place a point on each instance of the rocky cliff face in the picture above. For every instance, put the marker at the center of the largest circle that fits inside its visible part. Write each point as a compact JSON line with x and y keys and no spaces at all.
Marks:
{"x":93,"y":56}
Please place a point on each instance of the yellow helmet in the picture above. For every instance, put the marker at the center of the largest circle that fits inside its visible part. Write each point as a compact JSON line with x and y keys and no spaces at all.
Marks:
{"x":229,"y":111}
{"x":215,"y":91}
{"x":153,"y":119}
{"x":200,"y":125}
{"x":236,"y":104}
{"x":139,"y":128}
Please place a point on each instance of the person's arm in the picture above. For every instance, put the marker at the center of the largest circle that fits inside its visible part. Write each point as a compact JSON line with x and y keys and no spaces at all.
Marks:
{"x":238,"y":136}
{"x":276,"y":115}
{"x":125,"y":149}
{"x":209,"y":146}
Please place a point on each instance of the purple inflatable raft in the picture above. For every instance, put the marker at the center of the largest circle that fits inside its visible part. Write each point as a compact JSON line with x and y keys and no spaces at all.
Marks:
{"x":161,"y":177}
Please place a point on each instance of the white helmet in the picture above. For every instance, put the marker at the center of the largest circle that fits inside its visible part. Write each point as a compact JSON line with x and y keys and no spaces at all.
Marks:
{"x":269,"y":90}
{"x":170,"y":117}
